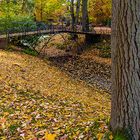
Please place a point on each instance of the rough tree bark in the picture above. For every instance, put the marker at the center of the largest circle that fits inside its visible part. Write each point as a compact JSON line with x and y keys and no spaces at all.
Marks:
{"x":125,"y":111}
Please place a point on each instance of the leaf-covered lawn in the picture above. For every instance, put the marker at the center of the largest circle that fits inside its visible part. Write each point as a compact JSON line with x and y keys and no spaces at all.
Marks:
{"x":37,"y":99}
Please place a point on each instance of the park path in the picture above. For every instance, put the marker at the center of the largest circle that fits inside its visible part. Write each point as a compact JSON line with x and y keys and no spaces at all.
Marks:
{"x":37,"y":98}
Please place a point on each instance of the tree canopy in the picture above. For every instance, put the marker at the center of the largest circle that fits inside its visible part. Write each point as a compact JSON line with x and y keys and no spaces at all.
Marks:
{"x":42,"y":10}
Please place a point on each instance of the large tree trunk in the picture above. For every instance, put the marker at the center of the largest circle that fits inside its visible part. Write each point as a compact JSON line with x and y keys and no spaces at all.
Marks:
{"x":125,"y":111}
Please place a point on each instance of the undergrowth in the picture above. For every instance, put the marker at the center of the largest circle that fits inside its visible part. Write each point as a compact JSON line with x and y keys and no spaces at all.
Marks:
{"x":104,"y":51}
{"x":30,"y":52}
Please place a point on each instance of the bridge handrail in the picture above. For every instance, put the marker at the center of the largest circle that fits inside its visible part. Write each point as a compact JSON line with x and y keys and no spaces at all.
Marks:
{"x":28,"y":27}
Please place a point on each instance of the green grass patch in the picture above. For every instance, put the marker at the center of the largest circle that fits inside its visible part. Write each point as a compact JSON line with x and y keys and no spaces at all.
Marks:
{"x":30,"y":52}
{"x":13,"y":128}
{"x":121,"y":135}
{"x":61,"y":46}
{"x":105,"y":51}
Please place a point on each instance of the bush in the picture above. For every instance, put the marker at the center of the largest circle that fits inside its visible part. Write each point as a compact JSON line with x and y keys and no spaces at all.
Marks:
{"x":30,"y":52}
{"x":17,"y":24}
{"x":104,"y":51}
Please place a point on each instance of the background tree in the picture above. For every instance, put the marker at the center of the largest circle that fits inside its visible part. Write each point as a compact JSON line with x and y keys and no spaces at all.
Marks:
{"x":72,"y":14}
{"x":85,"y":18}
{"x":27,"y":6}
{"x":78,"y":4}
{"x":100,"y":12}
{"x":75,"y":13}
{"x":49,"y":9}
{"x":125,"y":111}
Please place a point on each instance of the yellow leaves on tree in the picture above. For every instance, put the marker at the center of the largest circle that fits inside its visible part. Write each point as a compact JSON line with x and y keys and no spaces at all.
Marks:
{"x":100,"y":10}
{"x":49,"y":9}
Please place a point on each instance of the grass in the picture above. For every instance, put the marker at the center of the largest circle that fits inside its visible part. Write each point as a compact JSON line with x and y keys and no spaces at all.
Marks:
{"x":61,"y":46}
{"x":121,"y":135}
{"x":30,"y":52}
{"x":105,"y":51}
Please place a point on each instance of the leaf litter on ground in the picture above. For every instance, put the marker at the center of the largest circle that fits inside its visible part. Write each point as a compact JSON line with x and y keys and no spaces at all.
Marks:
{"x":38,"y":101}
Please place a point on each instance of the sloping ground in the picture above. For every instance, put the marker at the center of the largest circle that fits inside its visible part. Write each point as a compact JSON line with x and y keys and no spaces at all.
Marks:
{"x":37,"y":99}
{"x":88,"y":67}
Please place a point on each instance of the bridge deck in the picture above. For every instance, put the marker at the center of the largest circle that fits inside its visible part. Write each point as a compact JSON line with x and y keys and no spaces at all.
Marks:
{"x":97,"y":30}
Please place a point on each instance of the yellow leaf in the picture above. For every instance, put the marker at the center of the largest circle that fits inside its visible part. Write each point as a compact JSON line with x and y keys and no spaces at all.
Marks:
{"x":111,"y":137}
{"x":86,"y":130}
{"x":50,"y":136}
{"x":2,"y":120}
{"x":99,"y":136}
{"x":6,"y":113}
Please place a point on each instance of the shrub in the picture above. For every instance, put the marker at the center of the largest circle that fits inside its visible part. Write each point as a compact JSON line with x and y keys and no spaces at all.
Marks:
{"x":30,"y":52}
{"x":17,"y":24}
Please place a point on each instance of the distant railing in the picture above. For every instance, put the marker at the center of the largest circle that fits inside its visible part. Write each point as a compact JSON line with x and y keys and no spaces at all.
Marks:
{"x":22,"y":28}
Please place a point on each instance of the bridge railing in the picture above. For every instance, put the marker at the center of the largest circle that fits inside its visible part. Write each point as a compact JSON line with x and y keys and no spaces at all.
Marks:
{"x":25,"y":27}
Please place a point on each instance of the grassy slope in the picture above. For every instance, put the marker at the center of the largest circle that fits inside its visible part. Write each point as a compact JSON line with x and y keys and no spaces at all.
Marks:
{"x":36,"y":97}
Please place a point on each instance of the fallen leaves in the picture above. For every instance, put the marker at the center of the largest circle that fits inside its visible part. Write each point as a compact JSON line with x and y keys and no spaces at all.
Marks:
{"x":43,"y":102}
{"x":2,"y":120}
{"x":50,"y":136}
{"x":95,"y":72}
{"x":33,"y":115}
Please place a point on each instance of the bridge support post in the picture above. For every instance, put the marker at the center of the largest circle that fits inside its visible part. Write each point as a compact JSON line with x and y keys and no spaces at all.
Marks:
{"x":74,"y":36}
{"x":3,"y":43}
{"x":92,"y":38}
